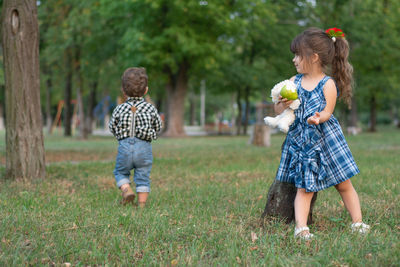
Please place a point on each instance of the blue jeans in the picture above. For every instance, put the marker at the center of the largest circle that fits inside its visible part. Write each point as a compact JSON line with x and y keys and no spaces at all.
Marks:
{"x":134,"y":154}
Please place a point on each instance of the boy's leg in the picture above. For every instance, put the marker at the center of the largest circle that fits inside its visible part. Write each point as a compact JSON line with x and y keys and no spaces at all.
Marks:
{"x":142,"y":198}
{"x":122,"y":172}
{"x":350,"y":200}
{"x":143,"y":163}
{"x":142,"y":181}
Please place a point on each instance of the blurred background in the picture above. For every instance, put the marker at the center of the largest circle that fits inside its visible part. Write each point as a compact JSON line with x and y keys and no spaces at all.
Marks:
{"x":210,"y":63}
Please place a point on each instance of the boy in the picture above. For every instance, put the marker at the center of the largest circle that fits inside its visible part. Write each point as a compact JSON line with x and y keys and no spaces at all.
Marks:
{"x":135,"y":124}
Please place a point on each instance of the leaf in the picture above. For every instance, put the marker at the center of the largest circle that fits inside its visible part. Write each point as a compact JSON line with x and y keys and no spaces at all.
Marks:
{"x":238,"y":260}
{"x":253,"y":237}
{"x":174,"y":262}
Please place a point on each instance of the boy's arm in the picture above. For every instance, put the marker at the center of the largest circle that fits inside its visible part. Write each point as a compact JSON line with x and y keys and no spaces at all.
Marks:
{"x":156,"y":123}
{"x":112,"y":124}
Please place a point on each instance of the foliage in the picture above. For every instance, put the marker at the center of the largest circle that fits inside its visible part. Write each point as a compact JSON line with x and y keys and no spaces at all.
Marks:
{"x":231,"y":44}
{"x":372,"y":29}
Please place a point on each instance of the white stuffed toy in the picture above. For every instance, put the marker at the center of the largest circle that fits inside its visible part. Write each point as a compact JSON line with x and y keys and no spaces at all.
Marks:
{"x":286,"y":118}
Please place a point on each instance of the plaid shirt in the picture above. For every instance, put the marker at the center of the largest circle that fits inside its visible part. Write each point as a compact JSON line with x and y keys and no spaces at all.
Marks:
{"x":147,"y":120}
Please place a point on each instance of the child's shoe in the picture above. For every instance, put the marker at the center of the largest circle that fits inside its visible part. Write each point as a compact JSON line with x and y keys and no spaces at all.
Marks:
{"x":360,"y":227}
{"x":127,"y":195}
{"x":299,"y":232}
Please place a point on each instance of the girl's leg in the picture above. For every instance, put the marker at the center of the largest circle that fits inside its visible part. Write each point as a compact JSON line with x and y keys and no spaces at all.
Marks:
{"x":350,"y":200}
{"x":302,"y":207}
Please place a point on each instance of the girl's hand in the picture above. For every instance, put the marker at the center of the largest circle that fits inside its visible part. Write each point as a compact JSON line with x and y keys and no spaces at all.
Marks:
{"x":284,"y":102}
{"x":314,"y":120}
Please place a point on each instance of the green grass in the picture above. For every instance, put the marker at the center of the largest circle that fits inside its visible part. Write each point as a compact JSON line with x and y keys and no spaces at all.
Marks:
{"x":207,"y":197}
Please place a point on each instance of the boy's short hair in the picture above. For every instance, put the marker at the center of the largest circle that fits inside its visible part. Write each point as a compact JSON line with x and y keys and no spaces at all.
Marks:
{"x":134,"y":82}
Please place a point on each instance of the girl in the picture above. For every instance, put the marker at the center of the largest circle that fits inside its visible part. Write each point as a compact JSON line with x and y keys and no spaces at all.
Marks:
{"x":315,"y":154}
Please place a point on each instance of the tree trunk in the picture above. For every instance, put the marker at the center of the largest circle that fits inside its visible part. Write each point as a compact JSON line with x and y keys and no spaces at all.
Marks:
{"x":2,"y":105}
{"x":353,"y":127}
{"x":280,"y":202}
{"x":396,"y":117}
{"x":49,"y":86}
{"x":239,"y":117}
{"x":81,"y":115}
{"x":91,"y":106}
{"x":1,"y":117}
{"x":177,"y":89}
{"x":106,"y":104}
{"x":81,"y":110}
{"x":203,"y":103}
{"x":247,"y":109}
{"x":192,"y":102}
{"x":68,"y":94}
{"x":372,"y":119}
{"x":24,"y":136}
{"x":353,"y":113}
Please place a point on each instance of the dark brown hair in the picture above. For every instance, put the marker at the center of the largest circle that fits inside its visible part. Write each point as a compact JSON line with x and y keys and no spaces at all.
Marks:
{"x":134,"y":82}
{"x":333,"y":57}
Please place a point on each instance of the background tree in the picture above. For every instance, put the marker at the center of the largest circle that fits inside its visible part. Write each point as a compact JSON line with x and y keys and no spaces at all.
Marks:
{"x":24,"y":137}
{"x":373,"y":35}
{"x":255,"y":53}
{"x":172,"y":39}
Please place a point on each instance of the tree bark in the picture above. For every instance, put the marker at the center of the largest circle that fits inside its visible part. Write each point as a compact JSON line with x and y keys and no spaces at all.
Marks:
{"x":203,"y":103}
{"x":192,"y":103}
{"x":280,"y":202}
{"x":1,"y":113}
{"x":372,"y":118}
{"x":239,"y":116}
{"x":68,"y":94}
{"x":353,"y":127}
{"x":91,"y":106}
{"x":25,"y":156}
{"x":106,"y":105}
{"x":49,"y":86}
{"x":177,"y":89}
{"x":83,"y":133}
{"x":81,"y":115}
{"x":247,"y":109}
{"x":353,"y":113}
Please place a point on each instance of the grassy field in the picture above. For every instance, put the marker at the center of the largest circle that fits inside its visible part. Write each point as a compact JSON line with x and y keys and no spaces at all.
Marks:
{"x":207,"y":197}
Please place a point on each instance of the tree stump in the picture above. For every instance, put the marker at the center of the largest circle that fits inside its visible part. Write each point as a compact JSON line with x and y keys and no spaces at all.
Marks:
{"x":280,"y":202}
{"x":261,"y":135}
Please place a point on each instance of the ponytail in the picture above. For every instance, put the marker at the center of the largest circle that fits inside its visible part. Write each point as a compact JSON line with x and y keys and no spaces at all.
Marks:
{"x":342,"y":70}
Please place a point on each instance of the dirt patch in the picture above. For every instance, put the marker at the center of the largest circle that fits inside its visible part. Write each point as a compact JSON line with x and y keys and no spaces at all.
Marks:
{"x":78,"y":156}
{"x":60,"y":156}
{"x":105,"y":183}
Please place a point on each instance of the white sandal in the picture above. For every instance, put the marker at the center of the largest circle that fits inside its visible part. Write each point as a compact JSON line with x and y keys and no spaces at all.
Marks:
{"x":360,"y":227}
{"x":298,"y":231}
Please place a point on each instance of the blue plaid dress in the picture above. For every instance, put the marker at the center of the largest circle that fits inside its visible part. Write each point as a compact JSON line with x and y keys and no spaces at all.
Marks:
{"x":315,"y":157}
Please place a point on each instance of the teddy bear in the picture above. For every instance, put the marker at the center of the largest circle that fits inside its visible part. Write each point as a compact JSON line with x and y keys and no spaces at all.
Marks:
{"x":286,"y":118}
